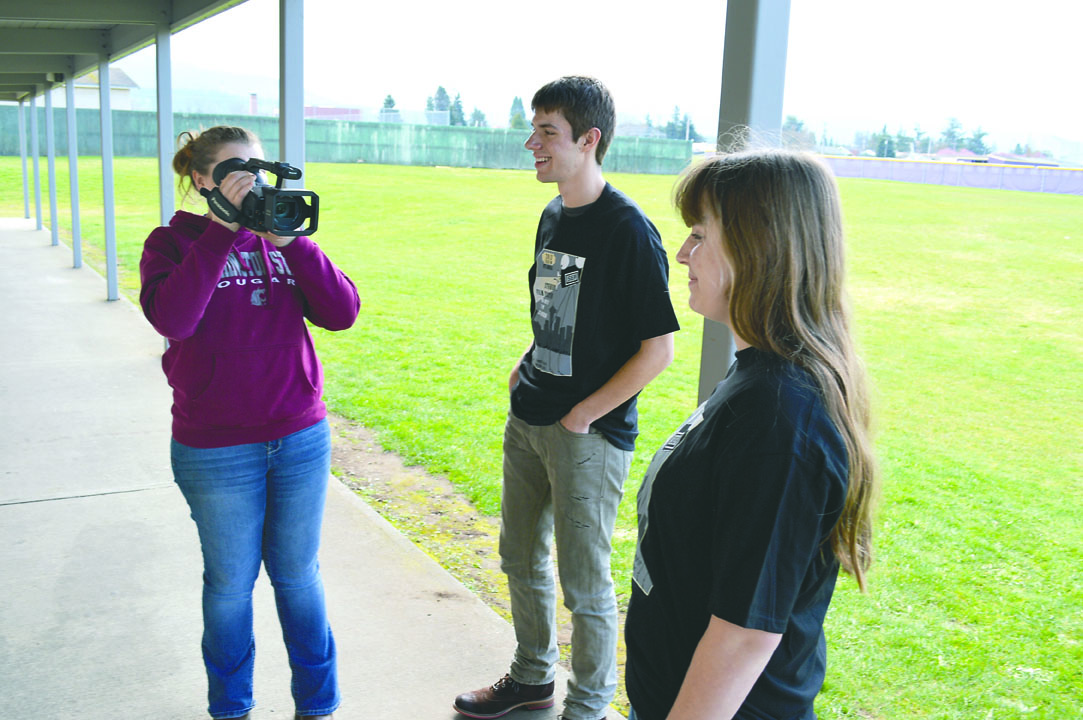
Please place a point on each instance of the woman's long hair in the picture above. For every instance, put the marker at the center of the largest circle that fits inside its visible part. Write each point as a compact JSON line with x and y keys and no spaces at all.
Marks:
{"x":782,"y":233}
{"x":197,"y":150}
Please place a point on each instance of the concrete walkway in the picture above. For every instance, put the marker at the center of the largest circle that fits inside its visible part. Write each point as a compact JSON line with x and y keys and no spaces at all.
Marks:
{"x":100,"y":607}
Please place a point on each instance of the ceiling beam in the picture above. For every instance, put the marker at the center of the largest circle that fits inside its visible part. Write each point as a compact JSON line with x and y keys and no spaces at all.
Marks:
{"x":19,"y":90}
{"x":34,"y":41}
{"x":44,"y":63}
{"x":7,"y":78}
{"x":100,"y":12}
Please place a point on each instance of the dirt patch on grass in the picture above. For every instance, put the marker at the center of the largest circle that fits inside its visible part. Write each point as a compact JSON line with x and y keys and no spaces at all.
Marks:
{"x":442,"y":522}
{"x":425,"y":508}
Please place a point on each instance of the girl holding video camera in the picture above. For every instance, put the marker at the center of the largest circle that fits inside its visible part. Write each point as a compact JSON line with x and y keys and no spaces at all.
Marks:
{"x":251,"y":446}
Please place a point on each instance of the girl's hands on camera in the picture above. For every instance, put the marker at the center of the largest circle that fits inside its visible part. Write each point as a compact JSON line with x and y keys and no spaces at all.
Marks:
{"x":233,"y":188}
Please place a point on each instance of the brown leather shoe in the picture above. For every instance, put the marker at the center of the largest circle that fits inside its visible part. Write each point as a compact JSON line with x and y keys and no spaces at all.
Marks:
{"x":502,"y":697}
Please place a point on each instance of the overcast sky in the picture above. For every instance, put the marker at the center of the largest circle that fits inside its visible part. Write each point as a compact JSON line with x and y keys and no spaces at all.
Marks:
{"x":1010,"y":68}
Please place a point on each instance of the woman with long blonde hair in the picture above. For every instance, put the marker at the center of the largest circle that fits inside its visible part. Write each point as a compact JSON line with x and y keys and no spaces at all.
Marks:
{"x":749,"y":510}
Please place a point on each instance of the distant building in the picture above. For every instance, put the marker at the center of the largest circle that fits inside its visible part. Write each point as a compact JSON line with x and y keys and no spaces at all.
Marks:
{"x":639,"y":130}
{"x":1013,"y":159}
{"x":86,"y":90}
{"x":332,"y":113}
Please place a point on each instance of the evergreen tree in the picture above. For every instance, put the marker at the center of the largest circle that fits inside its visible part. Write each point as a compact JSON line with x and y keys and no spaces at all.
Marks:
{"x":429,"y":105}
{"x":389,"y":103}
{"x":477,"y":119}
{"x":952,"y":136}
{"x":885,"y":144}
{"x":921,"y":140}
{"x":976,"y":142}
{"x":903,"y":142}
{"x":517,"y":116}
{"x":680,"y":127}
{"x":457,"y":116}
{"x":675,"y":128}
{"x":441,"y":101}
{"x":794,"y":133}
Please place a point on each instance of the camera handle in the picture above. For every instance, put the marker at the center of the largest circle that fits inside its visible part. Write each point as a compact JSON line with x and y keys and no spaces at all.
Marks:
{"x":217,"y":202}
{"x":282,"y":171}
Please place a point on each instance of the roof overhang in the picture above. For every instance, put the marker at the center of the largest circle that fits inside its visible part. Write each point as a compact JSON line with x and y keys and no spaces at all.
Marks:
{"x":44,"y":42}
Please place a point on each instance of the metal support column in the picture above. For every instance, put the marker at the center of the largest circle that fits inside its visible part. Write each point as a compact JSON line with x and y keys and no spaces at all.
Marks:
{"x":291,"y":76}
{"x":109,"y":209}
{"x":34,"y":158}
{"x":163,"y":65}
{"x":73,"y":173}
{"x":50,"y":155}
{"x":753,"y":79}
{"x":22,"y":154}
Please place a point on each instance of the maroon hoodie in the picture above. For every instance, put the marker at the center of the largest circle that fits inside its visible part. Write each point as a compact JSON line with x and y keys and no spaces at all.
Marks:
{"x":240,"y":358}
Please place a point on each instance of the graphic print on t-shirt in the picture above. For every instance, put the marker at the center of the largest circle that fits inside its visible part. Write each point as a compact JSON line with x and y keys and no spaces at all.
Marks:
{"x":556,"y":297}
{"x":640,"y":573}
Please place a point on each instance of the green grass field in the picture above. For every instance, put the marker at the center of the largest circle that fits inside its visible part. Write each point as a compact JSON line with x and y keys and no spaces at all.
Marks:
{"x":969,"y":307}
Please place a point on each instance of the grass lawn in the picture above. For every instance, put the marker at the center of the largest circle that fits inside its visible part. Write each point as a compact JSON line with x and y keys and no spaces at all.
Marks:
{"x":970,"y":316}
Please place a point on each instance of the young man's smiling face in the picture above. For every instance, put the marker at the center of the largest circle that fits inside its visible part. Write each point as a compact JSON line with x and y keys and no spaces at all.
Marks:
{"x":558,"y":157}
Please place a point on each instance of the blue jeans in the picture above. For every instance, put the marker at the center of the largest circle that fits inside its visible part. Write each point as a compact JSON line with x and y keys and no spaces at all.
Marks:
{"x":253,"y":504}
{"x":563,"y":484}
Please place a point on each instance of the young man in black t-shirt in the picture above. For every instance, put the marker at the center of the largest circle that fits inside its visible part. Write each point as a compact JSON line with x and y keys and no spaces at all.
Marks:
{"x":603,"y":328}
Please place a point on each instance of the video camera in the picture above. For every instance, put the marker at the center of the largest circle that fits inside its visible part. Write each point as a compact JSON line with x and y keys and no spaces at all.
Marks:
{"x":265,"y":208}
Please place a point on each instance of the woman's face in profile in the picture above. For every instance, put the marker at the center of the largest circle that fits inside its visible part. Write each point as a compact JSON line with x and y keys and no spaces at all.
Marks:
{"x":710,"y":276}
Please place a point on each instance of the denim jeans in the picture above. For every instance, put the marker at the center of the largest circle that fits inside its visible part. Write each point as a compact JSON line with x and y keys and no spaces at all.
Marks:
{"x":564,"y":485}
{"x":253,"y":504}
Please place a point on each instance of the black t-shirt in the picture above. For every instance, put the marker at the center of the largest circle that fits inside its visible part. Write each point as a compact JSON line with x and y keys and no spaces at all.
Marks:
{"x":599,"y":286}
{"x":735,"y":513}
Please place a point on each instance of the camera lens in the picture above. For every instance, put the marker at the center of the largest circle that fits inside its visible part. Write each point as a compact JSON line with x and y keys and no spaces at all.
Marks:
{"x":288,"y":214}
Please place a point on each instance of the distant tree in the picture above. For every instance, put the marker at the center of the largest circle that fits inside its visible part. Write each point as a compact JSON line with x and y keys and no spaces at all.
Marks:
{"x":680,"y":127}
{"x":477,"y":119}
{"x":885,"y":144}
{"x":921,"y":140}
{"x":429,"y":105}
{"x":389,"y":103}
{"x":794,"y":133}
{"x":457,"y":116}
{"x":675,"y":127}
{"x":976,"y":142}
{"x":441,"y":100}
{"x":903,"y":142}
{"x":517,"y":116}
{"x":1018,"y":150}
{"x":952,"y":136}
